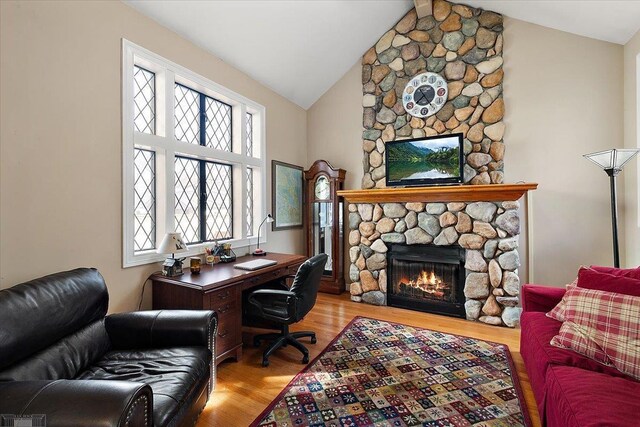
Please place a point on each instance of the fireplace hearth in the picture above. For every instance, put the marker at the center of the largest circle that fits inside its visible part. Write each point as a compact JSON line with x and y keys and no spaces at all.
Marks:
{"x":427,"y":278}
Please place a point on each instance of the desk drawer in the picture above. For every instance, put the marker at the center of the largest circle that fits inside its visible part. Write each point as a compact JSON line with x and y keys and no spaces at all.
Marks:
{"x":222,"y":296}
{"x":267,"y":276}
{"x":225,"y":307}
{"x":226,"y":303}
{"x":225,"y":300}
{"x":229,"y":331}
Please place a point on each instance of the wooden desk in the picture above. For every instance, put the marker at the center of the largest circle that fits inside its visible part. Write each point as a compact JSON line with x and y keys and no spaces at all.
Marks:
{"x":219,"y":288}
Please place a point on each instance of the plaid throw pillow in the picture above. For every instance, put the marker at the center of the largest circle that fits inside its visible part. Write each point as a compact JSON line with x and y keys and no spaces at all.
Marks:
{"x":609,"y":279}
{"x":557,"y":312}
{"x":603,"y":326}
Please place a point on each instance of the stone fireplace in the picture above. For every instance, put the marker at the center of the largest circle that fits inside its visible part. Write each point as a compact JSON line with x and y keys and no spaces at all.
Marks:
{"x":480,"y":238}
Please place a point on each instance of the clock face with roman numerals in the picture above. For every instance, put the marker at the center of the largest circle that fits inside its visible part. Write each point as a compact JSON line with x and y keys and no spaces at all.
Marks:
{"x":425,"y":95}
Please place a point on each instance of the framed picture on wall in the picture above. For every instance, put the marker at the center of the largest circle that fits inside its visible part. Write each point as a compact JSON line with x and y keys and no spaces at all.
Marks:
{"x":286,"y":193}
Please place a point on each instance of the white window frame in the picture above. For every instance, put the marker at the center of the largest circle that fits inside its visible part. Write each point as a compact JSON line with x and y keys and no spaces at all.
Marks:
{"x":166,"y":146}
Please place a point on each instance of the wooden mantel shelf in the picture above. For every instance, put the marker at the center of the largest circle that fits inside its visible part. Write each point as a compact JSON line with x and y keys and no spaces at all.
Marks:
{"x":454,"y":193}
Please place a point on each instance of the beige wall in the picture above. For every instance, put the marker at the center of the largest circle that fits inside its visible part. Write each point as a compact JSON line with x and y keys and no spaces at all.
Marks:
{"x":334,"y":127}
{"x":60,"y":178}
{"x":631,"y":172}
{"x":563,"y":99}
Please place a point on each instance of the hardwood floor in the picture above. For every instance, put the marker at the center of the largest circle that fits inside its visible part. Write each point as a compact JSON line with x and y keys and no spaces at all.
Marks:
{"x":244,"y":389}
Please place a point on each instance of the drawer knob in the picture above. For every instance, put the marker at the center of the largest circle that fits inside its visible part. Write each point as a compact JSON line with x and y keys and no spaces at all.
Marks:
{"x":224,"y":309}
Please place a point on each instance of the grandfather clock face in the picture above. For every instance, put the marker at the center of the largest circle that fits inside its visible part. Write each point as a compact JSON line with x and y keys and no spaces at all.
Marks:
{"x":322,"y":188}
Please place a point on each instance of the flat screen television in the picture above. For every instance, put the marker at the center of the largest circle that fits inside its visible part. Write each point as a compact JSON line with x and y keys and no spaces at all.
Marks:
{"x":432,"y":160}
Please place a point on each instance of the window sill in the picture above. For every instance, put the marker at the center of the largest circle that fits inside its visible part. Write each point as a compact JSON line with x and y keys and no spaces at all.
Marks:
{"x":240,"y":247}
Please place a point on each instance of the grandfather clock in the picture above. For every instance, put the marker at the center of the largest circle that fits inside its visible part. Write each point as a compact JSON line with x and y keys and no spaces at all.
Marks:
{"x":324,"y":221}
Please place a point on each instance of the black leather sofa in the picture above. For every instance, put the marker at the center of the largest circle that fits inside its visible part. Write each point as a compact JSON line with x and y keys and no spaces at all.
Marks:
{"x":62,"y":357}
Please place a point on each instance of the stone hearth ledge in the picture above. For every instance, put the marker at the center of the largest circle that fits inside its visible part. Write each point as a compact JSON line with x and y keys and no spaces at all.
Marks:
{"x":488,"y":230}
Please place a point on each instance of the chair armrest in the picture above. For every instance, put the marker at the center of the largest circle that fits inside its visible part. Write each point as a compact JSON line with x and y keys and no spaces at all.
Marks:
{"x":162,"y":328}
{"x":264,"y":297}
{"x":540,"y":298}
{"x":79,"y":403}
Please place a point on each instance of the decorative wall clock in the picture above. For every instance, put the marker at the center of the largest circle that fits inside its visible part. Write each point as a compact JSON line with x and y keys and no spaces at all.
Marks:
{"x":425,"y":95}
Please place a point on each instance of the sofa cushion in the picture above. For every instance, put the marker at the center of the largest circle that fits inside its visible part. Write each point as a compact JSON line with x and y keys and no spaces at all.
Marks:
{"x":633,"y":273}
{"x":538,"y":333}
{"x":64,"y":359}
{"x":578,"y":397}
{"x":604,"y":326}
{"x":589,"y":278}
{"x":174,"y":374}
{"x":37,"y":314}
{"x":537,"y":330}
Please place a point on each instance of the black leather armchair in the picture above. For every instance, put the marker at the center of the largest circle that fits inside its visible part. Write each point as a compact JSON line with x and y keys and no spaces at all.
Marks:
{"x":284,"y":307}
{"x":61,"y":357}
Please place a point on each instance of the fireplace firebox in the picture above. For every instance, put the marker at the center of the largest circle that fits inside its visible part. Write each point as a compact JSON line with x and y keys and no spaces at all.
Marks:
{"x":426,"y":278}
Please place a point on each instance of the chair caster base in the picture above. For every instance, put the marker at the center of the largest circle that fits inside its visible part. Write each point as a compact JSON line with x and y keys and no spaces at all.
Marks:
{"x":313,"y":340}
{"x":305,"y":359}
{"x":265,"y":363}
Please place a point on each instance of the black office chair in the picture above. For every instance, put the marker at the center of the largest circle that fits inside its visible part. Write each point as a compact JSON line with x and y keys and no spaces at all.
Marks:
{"x":284,"y":307}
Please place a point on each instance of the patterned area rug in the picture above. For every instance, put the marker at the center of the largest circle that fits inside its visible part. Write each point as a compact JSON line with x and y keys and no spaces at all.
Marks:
{"x":378,"y":373}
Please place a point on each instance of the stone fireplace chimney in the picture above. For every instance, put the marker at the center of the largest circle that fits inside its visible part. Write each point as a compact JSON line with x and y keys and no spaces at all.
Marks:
{"x":464,"y":45}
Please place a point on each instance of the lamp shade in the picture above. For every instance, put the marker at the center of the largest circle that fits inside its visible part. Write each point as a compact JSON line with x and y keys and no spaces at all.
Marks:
{"x":615,"y":158}
{"x":172,"y":244}
{"x":269,"y":218}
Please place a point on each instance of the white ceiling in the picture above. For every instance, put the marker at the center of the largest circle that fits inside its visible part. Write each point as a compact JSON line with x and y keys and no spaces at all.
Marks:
{"x":297,"y":48}
{"x":300,"y":48}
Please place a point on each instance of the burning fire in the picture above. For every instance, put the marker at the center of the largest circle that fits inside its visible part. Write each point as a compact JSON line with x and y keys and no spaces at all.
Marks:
{"x":427,"y":282}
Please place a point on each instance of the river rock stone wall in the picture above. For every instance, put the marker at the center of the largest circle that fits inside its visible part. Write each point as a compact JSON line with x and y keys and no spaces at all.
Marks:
{"x":487,"y":230}
{"x":464,"y":45}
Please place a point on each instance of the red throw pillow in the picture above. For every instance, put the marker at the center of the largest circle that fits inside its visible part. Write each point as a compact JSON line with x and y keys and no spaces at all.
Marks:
{"x":633,"y":273}
{"x":621,"y":281}
{"x":588,"y":278}
{"x":604,"y":326}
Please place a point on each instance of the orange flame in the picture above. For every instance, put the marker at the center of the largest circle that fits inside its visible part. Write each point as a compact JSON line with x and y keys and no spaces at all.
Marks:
{"x":427,"y":282}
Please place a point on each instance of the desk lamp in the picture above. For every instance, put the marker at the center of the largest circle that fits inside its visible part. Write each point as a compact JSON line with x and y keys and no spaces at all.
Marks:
{"x":258,"y":251}
{"x":172,"y":244}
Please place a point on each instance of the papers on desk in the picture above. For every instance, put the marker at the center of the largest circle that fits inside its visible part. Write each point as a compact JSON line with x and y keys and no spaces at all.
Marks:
{"x":256,"y":264}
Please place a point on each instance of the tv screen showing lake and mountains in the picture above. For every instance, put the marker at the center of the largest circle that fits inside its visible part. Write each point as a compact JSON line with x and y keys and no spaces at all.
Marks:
{"x":427,"y":159}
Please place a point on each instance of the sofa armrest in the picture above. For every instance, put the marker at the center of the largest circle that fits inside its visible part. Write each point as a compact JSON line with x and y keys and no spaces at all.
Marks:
{"x":161,"y":328}
{"x":540,"y":298}
{"x":79,"y":403}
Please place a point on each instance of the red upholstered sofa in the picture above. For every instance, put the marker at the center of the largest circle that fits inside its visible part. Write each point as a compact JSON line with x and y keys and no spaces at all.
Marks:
{"x":571,"y":390}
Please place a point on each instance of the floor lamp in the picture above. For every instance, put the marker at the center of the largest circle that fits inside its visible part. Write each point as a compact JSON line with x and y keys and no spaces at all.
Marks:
{"x":612,"y":161}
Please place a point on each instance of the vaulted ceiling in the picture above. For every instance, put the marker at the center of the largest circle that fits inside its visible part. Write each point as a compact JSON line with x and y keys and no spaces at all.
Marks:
{"x":301,"y":48}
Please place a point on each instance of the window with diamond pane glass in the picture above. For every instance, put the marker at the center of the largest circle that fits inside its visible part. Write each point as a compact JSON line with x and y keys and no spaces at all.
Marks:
{"x":218,"y":124}
{"x":187,"y":115}
{"x":203,"y":176}
{"x":249,"y":128}
{"x":219,"y":203}
{"x":144,"y":199}
{"x":144,"y":100}
{"x":187,"y":199}
{"x":249,"y":202}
